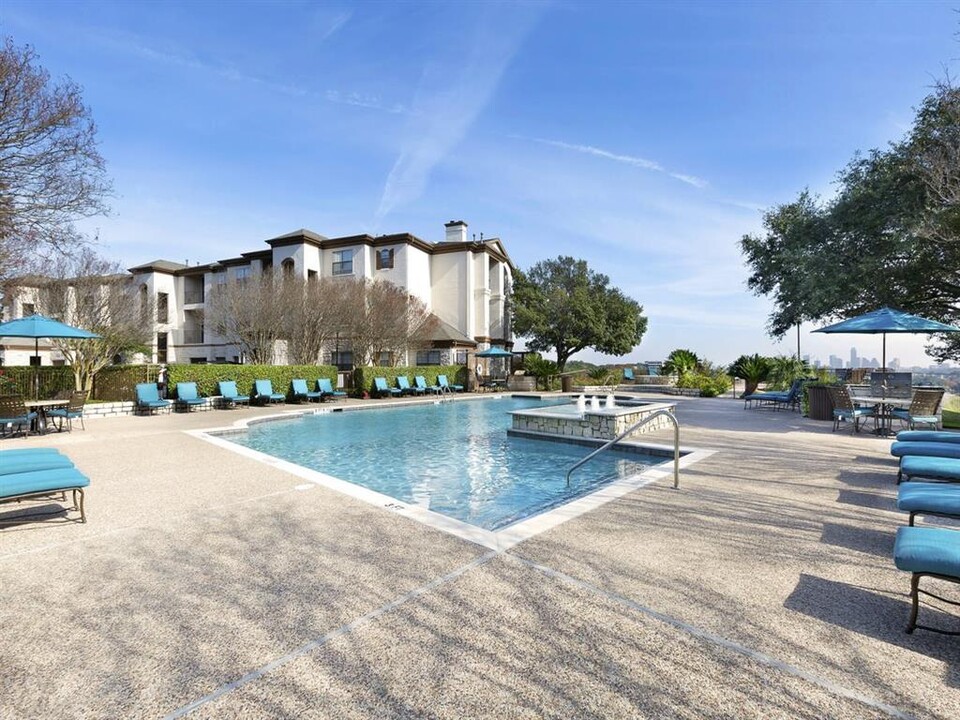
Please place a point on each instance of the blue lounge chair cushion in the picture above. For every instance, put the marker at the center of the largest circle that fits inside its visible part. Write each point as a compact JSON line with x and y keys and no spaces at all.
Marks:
{"x":264,"y":389}
{"x":444,"y":384}
{"x":934,"y":449}
{"x":149,"y":397}
{"x":928,"y":550}
{"x":19,"y":419}
{"x":932,"y":468}
{"x":628,"y":374}
{"x":65,"y":413}
{"x":922,"y":419}
{"x":22,"y":452}
{"x":928,"y":436}
{"x":187,"y":394}
{"x":421,"y":383}
{"x":42,"y":481}
{"x":30,"y":463}
{"x":299,"y":388}
{"x":326,"y":388}
{"x":935,"y":498}
{"x":228,"y":391}
{"x":404,"y":384}
{"x":381,"y":386}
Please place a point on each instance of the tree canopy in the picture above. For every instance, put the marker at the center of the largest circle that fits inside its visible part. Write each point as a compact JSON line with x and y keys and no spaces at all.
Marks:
{"x":890,"y":236}
{"x":563,"y":305}
{"x":51,"y":172}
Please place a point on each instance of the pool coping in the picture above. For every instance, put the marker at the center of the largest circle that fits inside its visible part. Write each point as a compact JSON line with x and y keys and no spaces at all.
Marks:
{"x":498,"y":540}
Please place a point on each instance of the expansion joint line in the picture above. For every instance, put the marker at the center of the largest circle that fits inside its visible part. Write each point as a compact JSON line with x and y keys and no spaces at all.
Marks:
{"x":321,"y":641}
{"x":718,"y":640}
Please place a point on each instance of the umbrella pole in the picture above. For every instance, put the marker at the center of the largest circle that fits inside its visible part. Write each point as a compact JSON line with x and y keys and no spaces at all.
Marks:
{"x":36,"y":372}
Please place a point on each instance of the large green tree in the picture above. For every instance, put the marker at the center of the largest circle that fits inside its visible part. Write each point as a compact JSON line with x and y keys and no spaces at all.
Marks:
{"x":564,"y":306}
{"x":890,"y":236}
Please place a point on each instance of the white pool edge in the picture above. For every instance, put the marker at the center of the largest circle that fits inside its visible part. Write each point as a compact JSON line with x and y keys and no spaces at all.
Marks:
{"x":498,"y":540}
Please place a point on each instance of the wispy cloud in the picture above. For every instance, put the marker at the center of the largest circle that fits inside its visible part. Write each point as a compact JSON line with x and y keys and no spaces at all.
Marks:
{"x":338,"y":22}
{"x":633,"y":160}
{"x":372,"y":102}
{"x":452,"y":94}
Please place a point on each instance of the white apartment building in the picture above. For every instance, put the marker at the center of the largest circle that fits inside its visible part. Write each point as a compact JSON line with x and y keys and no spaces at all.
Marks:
{"x":464,"y":282}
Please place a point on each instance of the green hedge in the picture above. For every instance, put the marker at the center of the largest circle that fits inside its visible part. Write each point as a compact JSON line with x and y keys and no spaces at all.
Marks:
{"x":22,"y":380}
{"x":363,"y":376}
{"x":206,"y":376}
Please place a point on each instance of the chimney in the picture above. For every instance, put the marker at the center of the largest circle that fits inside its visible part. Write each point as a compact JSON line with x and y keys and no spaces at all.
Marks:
{"x":456,"y":231}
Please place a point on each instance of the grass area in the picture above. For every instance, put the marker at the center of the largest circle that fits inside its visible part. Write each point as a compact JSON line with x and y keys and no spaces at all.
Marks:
{"x":951,"y":411}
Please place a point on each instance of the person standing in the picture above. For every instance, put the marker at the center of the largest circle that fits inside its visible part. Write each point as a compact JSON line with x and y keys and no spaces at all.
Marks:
{"x":162,"y":382}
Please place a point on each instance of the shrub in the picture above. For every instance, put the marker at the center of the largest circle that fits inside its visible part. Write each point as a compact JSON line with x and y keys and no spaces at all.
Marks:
{"x":784,"y":369}
{"x":754,"y":369}
{"x":681,"y":363}
{"x":542,"y":370}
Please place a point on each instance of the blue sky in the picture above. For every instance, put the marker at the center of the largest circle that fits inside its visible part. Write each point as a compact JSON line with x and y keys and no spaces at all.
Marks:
{"x":645,"y":138}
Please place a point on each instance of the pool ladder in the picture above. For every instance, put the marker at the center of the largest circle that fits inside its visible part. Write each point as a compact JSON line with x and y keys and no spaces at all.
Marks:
{"x":633,"y":428}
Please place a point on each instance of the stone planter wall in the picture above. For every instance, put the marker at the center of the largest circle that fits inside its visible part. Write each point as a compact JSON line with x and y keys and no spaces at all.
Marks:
{"x":602,"y":425}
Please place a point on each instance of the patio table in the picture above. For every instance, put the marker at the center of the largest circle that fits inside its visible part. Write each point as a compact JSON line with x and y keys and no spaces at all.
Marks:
{"x":41,"y":406}
{"x":884,"y":406}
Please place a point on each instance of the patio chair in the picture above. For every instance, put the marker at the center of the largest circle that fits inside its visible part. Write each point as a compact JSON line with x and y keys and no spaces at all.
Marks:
{"x":845,"y":409}
{"x":187,"y":397}
{"x":299,"y":390}
{"x":628,"y":375}
{"x":263,"y":392}
{"x":939,"y":499}
{"x":15,"y":416}
{"x":325,"y":387}
{"x":148,"y":398}
{"x":229,"y":395}
{"x":653,"y":369}
{"x":421,"y":382}
{"x":923,"y":409}
{"x":776,"y":398}
{"x":927,"y":552}
{"x":405,"y":389}
{"x":73,"y":411}
{"x":443,"y":384}
{"x":380,"y":384}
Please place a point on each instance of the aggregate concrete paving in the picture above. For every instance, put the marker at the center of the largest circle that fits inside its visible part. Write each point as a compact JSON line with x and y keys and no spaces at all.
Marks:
{"x":207,"y":584}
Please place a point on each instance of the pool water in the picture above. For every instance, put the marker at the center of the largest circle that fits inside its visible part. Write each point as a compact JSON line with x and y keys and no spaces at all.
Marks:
{"x":454,"y":458}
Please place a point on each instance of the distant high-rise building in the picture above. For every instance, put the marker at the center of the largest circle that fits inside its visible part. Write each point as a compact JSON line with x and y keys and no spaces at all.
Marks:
{"x":836,"y":362}
{"x":895,"y":364}
{"x":854,"y":358}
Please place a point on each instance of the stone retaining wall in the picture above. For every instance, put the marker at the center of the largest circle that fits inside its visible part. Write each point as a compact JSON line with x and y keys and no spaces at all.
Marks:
{"x":589,"y":425}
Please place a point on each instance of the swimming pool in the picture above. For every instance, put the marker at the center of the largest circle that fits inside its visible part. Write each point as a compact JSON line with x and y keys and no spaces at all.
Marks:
{"x":452,"y":458}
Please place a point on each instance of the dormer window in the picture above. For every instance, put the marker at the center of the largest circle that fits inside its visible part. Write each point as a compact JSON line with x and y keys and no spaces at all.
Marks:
{"x":385,"y":259}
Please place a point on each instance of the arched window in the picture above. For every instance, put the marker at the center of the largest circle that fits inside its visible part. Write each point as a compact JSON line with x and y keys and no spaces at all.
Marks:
{"x":287,"y":267}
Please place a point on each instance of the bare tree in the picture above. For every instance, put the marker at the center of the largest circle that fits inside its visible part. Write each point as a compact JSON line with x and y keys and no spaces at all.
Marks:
{"x":95,"y":294}
{"x":381,"y":317}
{"x":250,"y":314}
{"x":313,"y":314}
{"x":51,"y":172}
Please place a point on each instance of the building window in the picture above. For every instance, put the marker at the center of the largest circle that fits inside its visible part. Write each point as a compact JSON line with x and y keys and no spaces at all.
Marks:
{"x":343,"y":262}
{"x":461,"y":357}
{"x":161,"y":347}
{"x":385,"y":259}
{"x":198,"y":361}
{"x":28,"y":309}
{"x":312,"y":275}
{"x":286,"y":267}
{"x":385,"y":359}
{"x":343,"y":359}
{"x":243,"y":273}
{"x":162,"y":307}
{"x":428,"y":357}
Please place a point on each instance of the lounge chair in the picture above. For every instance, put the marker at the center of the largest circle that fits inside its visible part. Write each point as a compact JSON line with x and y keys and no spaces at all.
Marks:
{"x":444,"y":385}
{"x":777,"y":399}
{"x":380,"y":384}
{"x":263,"y":392}
{"x":653,"y":369}
{"x":923,"y":409}
{"x":325,"y":387}
{"x":931,"y":552}
{"x":902,"y":449}
{"x":148,"y":398}
{"x":15,"y":416}
{"x":928,"y":436}
{"x":229,"y":395}
{"x":421,"y":382}
{"x":928,"y":468}
{"x":628,"y":375}
{"x":40,"y":473}
{"x":73,"y":411}
{"x":299,"y":390}
{"x":940,"y":499}
{"x":405,"y":389}
{"x":845,"y":410}
{"x":187,"y":397}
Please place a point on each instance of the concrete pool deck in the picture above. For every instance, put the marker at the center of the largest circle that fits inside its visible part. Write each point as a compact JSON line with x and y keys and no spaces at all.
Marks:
{"x":207,"y":584}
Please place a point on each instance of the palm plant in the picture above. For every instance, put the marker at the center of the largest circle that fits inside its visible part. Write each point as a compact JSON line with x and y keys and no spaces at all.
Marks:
{"x":784,"y":369}
{"x":681,"y":363}
{"x":754,"y":369}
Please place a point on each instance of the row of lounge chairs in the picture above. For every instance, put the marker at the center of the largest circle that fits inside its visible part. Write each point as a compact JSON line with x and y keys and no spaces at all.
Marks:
{"x":419,"y":387}
{"x":31,"y":473}
{"x":149,"y":400}
{"x":929,"y":480}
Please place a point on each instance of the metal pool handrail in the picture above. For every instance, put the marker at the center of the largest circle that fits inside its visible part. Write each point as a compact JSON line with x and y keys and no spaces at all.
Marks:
{"x":628,"y":431}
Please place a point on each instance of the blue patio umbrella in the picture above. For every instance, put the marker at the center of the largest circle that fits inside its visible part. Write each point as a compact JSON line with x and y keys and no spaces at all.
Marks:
{"x":38,"y":326}
{"x":495,"y":352}
{"x":888,"y":320}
